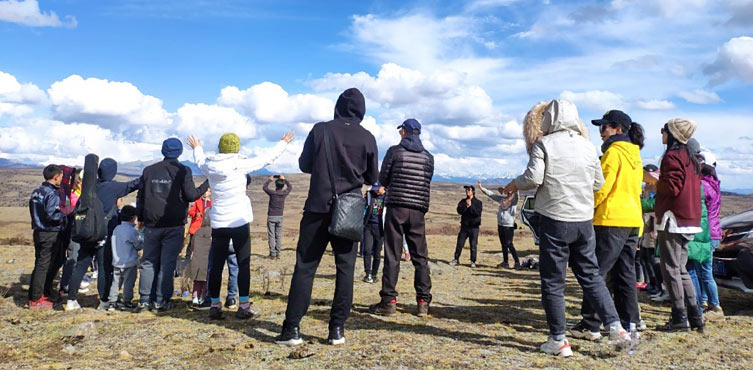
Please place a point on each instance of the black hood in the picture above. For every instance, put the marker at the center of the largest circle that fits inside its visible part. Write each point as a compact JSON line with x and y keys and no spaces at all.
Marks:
{"x":107,"y":169}
{"x":613,"y":139}
{"x":412,"y":143}
{"x":351,"y":106}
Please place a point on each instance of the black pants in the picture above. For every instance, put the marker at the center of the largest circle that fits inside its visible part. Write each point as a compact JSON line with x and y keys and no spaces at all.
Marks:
{"x":221,"y":237}
{"x":615,"y":253}
{"x":372,"y":248}
{"x":409,"y":222}
{"x":467,"y":233}
{"x":312,"y":242}
{"x":562,"y":242}
{"x":46,"y":251}
{"x":646,"y":256}
{"x":85,"y":254}
{"x":506,"y":234}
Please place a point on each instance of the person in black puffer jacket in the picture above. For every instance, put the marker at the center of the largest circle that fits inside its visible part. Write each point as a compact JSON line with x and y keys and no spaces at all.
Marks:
{"x":406,"y":171}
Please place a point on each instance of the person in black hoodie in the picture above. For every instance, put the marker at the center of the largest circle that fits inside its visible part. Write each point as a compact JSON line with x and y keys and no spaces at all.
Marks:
{"x":162,"y":206}
{"x":354,"y":155}
{"x":406,"y":171}
{"x":469,"y":210}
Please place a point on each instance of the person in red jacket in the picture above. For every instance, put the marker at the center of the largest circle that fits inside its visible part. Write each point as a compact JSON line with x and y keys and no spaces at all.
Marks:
{"x":196,"y":212}
{"x":678,"y":219}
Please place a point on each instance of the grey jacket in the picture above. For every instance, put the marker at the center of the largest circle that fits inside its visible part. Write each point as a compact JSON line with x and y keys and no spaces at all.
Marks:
{"x":505,"y":216}
{"x":126,"y":244}
{"x":563,"y":165}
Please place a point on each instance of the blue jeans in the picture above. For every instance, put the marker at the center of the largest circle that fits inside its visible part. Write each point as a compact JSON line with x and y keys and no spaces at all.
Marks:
{"x":232,"y":268}
{"x":709,"y":291}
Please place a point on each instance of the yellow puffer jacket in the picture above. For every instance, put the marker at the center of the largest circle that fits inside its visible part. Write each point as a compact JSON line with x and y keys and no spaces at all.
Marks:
{"x":618,"y":202}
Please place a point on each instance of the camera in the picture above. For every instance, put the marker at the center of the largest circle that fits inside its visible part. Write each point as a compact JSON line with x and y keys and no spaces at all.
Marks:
{"x":276,"y":176}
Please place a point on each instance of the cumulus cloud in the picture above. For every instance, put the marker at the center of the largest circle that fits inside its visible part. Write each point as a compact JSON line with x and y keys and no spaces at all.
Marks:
{"x":106,"y":103}
{"x":209,"y":122}
{"x":700,"y":96}
{"x":16,"y":99}
{"x":270,"y":103}
{"x":734,"y":60}
{"x":27,"y":13}
{"x":655,"y":104}
{"x":597,"y":100}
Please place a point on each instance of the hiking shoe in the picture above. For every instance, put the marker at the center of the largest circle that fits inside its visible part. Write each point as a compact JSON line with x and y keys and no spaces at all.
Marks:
{"x":127,"y":306}
{"x":678,"y":321}
{"x":663,"y":297}
{"x":473,"y":265}
{"x":384,"y":308}
{"x":71,"y":306}
{"x":422,"y":308}
{"x":203,"y":305}
{"x":166,"y":306}
{"x":557,"y":347}
{"x":103,"y":306}
{"x":215,"y":313}
{"x":504,"y":265}
{"x":336,"y":336}
{"x":580,"y":331}
{"x":517,"y":266}
{"x":143,"y":306}
{"x":714,"y":313}
{"x":231,"y":303}
{"x":454,"y":263}
{"x":620,"y":337}
{"x":40,"y":304}
{"x":243,"y":314}
{"x":290,"y":336}
{"x":695,"y":318}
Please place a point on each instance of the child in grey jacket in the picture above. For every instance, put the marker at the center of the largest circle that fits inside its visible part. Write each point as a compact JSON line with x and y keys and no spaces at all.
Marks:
{"x":126,"y":244}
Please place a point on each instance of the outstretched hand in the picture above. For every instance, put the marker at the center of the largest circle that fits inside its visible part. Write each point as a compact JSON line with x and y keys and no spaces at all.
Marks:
{"x":508,"y":190}
{"x":193,"y":142}
{"x":288,"y":137}
{"x":478,"y":182}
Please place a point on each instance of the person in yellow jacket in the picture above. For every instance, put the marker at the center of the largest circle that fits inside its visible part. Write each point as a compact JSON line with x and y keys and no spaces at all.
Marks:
{"x":618,"y":220}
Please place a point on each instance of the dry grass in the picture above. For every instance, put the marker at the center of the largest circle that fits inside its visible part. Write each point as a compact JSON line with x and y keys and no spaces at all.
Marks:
{"x":482,"y":318}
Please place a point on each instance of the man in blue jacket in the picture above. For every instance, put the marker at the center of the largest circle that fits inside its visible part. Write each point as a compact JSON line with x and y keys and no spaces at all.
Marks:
{"x":47,"y":220}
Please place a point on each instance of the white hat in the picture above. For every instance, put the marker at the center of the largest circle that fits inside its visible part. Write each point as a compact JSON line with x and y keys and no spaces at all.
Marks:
{"x":708,"y":157}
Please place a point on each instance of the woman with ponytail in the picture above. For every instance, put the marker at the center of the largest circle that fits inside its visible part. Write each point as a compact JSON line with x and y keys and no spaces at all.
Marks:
{"x":618,"y":220}
{"x":678,"y":217}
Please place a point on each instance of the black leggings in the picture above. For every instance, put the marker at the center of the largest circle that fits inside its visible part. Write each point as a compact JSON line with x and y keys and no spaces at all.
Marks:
{"x":506,"y":234}
{"x":241,"y":237}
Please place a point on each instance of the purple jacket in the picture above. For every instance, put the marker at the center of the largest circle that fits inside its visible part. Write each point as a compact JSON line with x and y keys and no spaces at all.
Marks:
{"x":713,"y":205}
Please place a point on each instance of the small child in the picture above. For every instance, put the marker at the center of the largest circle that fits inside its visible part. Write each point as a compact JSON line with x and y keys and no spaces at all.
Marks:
{"x":197,"y":268}
{"x":126,"y":244}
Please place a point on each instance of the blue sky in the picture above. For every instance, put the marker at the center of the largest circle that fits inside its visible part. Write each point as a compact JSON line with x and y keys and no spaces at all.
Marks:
{"x":117,"y":77}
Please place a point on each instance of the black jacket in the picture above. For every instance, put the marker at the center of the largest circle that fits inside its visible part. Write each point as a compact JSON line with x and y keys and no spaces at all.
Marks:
{"x":470,"y":217}
{"x":353,"y":149}
{"x":44,"y":209}
{"x":108,"y":191}
{"x":166,"y":189}
{"x":277,"y":198}
{"x":407,"y":169}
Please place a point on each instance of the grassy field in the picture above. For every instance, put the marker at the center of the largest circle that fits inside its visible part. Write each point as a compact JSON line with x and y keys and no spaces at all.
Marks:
{"x":480,"y":318}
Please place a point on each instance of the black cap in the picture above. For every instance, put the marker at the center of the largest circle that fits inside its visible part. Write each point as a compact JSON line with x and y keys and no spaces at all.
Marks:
{"x":615,"y":117}
{"x":469,"y":187}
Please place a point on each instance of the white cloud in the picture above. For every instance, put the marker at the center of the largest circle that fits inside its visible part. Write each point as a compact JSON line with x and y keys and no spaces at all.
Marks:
{"x":27,"y":13}
{"x":734,"y":60}
{"x":109,"y":104}
{"x":209,"y":122}
{"x":700,"y":96}
{"x":655,"y":104}
{"x":597,"y":100}
{"x":270,"y":103}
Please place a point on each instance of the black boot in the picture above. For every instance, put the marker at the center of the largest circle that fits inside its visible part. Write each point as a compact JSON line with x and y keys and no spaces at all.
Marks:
{"x":695,"y":318}
{"x":678,"y":321}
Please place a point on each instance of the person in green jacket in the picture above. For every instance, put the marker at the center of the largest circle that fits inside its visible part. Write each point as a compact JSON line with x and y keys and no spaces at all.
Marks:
{"x":699,"y":249}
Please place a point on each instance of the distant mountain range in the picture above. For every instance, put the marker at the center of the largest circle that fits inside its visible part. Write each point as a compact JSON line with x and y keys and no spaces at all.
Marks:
{"x":9,"y":163}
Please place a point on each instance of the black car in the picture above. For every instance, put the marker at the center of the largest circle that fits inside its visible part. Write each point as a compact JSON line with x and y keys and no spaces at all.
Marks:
{"x":733,"y":260}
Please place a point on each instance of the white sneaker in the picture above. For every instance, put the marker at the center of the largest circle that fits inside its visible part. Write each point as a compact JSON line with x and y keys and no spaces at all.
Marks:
{"x":84,"y":284}
{"x":195,"y":300}
{"x":71,"y":306}
{"x":620,"y":337}
{"x":557,"y":347}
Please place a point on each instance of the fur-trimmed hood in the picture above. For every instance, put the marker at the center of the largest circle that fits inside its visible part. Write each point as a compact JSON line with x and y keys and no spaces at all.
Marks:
{"x":548,"y":117}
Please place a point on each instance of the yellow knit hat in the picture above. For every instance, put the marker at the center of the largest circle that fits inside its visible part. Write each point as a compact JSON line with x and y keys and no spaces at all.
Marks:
{"x":230,"y":143}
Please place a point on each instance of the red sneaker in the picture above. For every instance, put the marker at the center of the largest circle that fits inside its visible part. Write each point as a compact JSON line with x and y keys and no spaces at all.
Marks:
{"x":640,"y":286}
{"x":40,"y":304}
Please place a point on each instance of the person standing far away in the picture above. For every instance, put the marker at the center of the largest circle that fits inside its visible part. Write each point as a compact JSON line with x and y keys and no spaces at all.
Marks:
{"x":565,"y":171}
{"x":469,"y":209}
{"x":505,"y":224}
{"x":162,"y":207}
{"x":354,"y":156}
{"x":231,"y":214}
{"x":275,"y":212}
{"x":407,"y":169}
{"x":373,"y":231}
{"x":618,"y":220}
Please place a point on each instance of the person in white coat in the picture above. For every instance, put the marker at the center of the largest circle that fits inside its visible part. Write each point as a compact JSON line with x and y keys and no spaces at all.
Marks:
{"x":231,"y":212}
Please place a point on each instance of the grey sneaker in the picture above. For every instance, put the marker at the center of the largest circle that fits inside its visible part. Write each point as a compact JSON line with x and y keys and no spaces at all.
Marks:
{"x":454,"y":263}
{"x":103,"y":306}
{"x":473,"y":265}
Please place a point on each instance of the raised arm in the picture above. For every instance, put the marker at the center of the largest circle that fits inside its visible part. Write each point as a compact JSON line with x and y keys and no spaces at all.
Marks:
{"x":266,"y":188}
{"x":267,"y":157}
{"x":489,"y":193}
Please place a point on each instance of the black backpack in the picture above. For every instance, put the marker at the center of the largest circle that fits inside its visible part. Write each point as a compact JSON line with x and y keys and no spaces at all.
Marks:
{"x":89,"y":219}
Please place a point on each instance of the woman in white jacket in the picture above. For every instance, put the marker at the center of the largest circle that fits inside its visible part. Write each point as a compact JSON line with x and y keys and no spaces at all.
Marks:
{"x":231,"y":212}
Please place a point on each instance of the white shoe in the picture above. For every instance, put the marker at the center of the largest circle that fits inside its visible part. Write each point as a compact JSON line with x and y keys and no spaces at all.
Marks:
{"x":71,"y":306}
{"x":195,"y":300}
{"x":620,"y":337}
{"x":557,"y":347}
